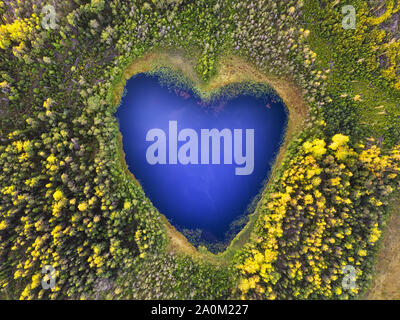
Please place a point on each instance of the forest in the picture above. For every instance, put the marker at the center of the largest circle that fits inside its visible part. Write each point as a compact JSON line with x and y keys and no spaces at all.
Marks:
{"x":67,"y":200}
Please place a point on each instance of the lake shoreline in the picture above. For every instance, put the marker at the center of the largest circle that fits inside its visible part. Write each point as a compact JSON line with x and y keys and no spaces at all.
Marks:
{"x":232,"y":70}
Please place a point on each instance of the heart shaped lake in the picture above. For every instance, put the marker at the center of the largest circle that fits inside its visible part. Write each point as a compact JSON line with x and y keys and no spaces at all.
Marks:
{"x":200,"y":163}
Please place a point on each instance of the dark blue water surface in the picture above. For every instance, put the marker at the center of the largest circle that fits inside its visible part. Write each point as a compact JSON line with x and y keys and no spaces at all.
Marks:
{"x":205,"y":196}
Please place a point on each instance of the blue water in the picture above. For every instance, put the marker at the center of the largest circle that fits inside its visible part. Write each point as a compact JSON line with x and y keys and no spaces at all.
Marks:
{"x":209,"y":197}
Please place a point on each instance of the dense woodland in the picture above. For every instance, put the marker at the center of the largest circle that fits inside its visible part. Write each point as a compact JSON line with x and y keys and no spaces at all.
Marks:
{"x":67,"y":201}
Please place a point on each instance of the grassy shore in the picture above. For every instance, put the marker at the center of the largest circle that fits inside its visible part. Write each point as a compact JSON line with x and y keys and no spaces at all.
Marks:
{"x":385,"y":284}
